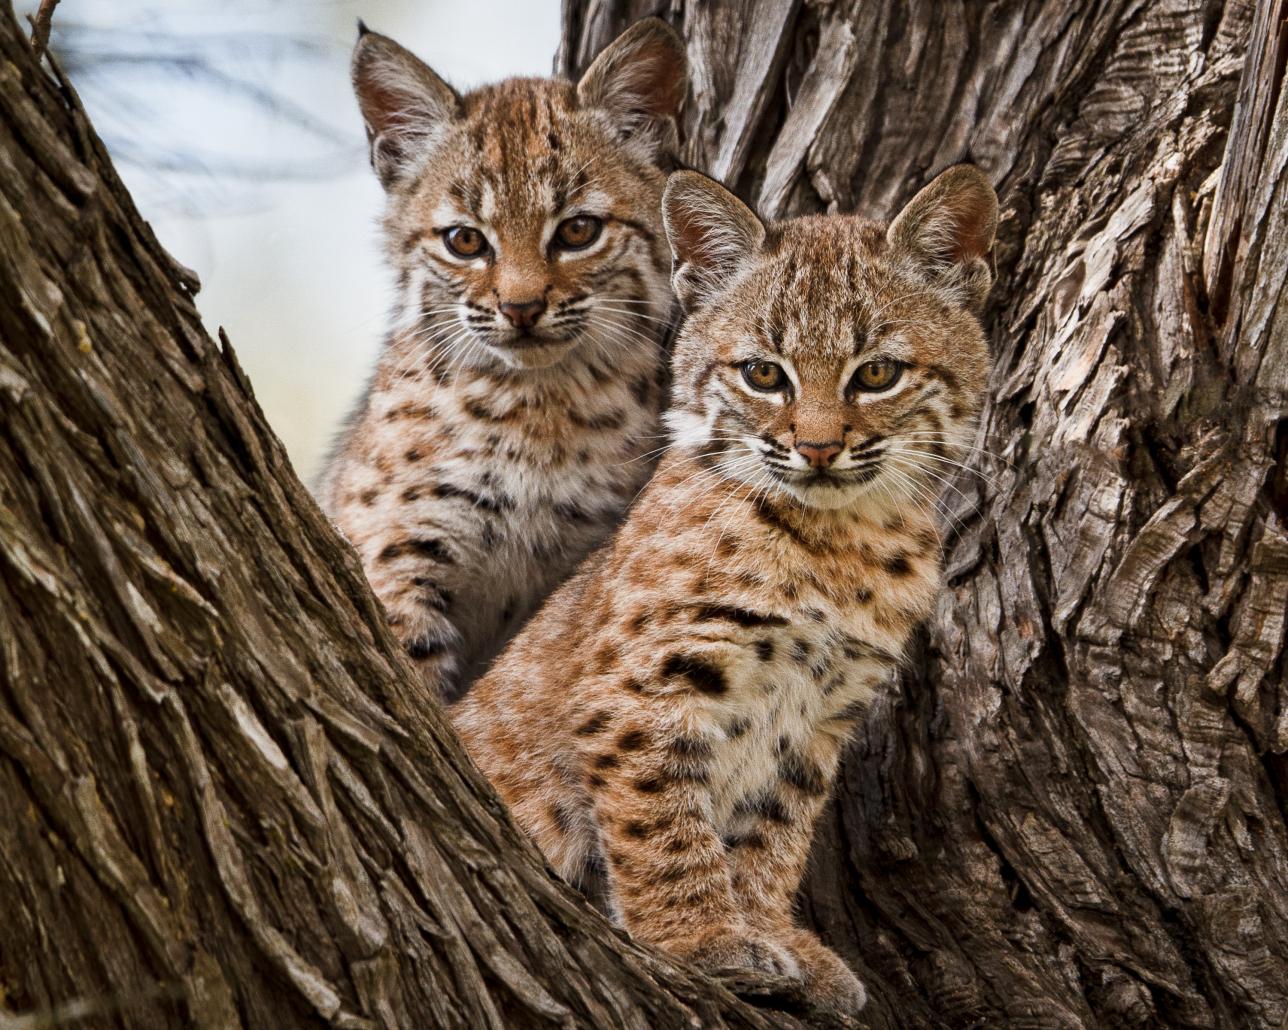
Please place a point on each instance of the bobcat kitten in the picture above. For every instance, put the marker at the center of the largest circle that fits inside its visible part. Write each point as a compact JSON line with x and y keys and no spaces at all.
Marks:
{"x":675,"y":713}
{"x":515,"y":404}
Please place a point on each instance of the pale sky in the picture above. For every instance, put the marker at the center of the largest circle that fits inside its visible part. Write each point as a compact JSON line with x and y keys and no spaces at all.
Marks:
{"x":292,"y":270}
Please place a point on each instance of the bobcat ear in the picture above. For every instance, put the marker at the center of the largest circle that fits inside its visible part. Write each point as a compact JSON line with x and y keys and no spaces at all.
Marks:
{"x":405,"y":106}
{"x":948,"y":229}
{"x":640,"y":80}
{"x":711,"y":233}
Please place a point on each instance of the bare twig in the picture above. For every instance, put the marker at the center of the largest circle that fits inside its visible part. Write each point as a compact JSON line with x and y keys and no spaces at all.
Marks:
{"x":40,"y":26}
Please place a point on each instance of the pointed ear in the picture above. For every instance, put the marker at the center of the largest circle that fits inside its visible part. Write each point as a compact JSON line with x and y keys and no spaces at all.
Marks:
{"x":405,"y":106}
{"x":712,"y":233}
{"x":948,"y":229}
{"x":640,"y":80}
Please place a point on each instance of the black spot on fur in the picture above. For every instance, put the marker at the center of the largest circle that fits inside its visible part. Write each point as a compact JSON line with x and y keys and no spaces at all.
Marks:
{"x":420,"y":648}
{"x":494,"y":505}
{"x":431,"y":595}
{"x":632,"y":740}
{"x":765,"y":650}
{"x":737,"y":728}
{"x":863,"y":595}
{"x":592,"y":725}
{"x":898,"y":565}
{"x":650,"y":784}
{"x":851,"y":712}
{"x":771,"y":517}
{"x":433,"y":549}
{"x":604,"y":422}
{"x":413,"y":455}
{"x":798,"y":771}
{"x":855,"y":649}
{"x":687,"y":759}
{"x":607,"y":762}
{"x":750,"y":840}
{"x":636,"y":828}
{"x":738,"y":616}
{"x":801,"y":651}
{"x":765,"y":805}
{"x":702,"y":675}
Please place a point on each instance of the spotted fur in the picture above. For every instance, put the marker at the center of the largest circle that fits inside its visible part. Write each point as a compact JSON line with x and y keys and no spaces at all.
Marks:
{"x":674,"y":715}
{"x":514,"y":408}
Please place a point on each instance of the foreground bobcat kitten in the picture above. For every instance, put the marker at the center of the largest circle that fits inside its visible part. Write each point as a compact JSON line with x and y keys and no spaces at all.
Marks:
{"x":675,"y":713}
{"x":513,"y":409}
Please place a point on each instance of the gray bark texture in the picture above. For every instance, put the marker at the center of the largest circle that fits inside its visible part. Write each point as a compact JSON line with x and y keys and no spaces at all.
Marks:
{"x":1073,"y":813}
{"x":223,"y":801}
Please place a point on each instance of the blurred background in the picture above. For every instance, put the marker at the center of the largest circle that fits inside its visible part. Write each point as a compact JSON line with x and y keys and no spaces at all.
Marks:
{"x":235,"y":128}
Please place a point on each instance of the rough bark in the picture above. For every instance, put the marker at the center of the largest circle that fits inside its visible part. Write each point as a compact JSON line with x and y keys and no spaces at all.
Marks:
{"x":223,"y":801}
{"x":1073,"y":813}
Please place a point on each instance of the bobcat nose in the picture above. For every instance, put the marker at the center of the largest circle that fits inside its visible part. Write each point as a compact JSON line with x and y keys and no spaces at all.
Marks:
{"x":820,"y":455}
{"x":524,"y":314}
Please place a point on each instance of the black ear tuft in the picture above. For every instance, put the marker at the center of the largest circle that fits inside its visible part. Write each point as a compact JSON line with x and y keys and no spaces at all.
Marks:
{"x":362,"y":28}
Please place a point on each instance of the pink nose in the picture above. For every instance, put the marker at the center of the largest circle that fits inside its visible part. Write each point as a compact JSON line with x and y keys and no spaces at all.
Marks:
{"x":819,"y":455}
{"x":524,"y":314}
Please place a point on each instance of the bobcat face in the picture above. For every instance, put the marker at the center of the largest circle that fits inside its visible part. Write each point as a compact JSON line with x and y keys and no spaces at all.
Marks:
{"x":826,"y":358}
{"x":523,"y":218}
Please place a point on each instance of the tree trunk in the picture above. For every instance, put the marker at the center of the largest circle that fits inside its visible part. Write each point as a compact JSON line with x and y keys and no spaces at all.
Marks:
{"x":1073,"y":814}
{"x":223,"y":800}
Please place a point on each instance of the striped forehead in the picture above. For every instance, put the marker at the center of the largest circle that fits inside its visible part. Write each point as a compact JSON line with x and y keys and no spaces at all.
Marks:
{"x":824,"y":294}
{"x":521,"y":152}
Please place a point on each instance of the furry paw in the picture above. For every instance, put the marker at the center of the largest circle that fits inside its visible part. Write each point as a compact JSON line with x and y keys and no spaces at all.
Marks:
{"x":729,"y":948}
{"x":835,"y":986}
{"x":827,"y":979}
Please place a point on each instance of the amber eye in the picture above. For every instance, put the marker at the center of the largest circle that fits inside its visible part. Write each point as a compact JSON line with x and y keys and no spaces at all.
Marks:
{"x":875,"y":376}
{"x":764,"y":376}
{"x":577,"y":233}
{"x":465,"y":241}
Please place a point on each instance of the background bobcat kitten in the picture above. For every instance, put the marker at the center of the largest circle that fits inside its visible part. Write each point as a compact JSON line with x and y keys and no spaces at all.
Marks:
{"x":675,"y":713}
{"x":509,"y":418}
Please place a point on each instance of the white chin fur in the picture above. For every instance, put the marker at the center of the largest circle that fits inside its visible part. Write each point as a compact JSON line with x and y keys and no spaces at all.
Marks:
{"x":826,"y":496}
{"x":533,"y":355}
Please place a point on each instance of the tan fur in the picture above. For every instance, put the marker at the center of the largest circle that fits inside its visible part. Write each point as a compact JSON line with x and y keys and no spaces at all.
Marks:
{"x":674,"y":714}
{"x":488,"y":458}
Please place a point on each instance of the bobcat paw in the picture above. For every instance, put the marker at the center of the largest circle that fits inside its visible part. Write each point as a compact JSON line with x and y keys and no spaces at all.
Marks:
{"x":838,"y":988}
{"x":733,"y":949}
{"x":828,"y":980}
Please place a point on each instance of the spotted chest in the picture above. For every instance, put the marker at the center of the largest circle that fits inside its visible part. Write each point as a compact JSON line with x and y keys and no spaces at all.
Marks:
{"x":472,"y":496}
{"x":788,"y":700}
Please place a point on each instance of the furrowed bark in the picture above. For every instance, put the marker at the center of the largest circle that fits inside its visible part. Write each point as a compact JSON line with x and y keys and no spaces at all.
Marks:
{"x":223,"y":800}
{"x":1073,"y":813}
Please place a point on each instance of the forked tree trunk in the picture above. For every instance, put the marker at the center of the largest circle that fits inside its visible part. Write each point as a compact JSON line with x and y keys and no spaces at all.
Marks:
{"x":1074,"y":812}
{"x":222,"y":802}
